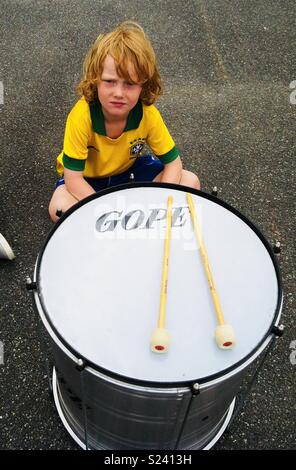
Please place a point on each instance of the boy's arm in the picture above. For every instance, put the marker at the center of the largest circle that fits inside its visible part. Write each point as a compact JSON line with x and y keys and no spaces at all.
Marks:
{"x":76,"y":184}
{"x":172,"y":172}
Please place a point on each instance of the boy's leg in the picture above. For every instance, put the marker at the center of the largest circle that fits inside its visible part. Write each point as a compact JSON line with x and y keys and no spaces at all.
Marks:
{"x":149,"y":168}
{"x":144,"y":169}
{"x":61,"y":200}
{"x":187,"y":179}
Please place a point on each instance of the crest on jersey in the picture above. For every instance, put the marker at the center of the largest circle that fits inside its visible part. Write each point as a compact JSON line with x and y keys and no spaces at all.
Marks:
{"x":136,"y":147}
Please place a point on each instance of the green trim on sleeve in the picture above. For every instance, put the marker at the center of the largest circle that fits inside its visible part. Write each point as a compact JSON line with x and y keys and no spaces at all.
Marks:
{"x":169,"y":156}
{"x":73,"y":163}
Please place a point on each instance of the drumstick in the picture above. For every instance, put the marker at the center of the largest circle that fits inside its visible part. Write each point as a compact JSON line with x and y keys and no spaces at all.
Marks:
{"x":160,"y":337}
{"x":224,"y":333}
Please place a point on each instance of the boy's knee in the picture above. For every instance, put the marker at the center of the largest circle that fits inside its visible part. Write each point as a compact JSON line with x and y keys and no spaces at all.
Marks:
{"x":53,"y":210}
{"x":190,"y":179}
{"x":195,"y":181}
{"x":52,"y":213}
{"x":198,"y":183}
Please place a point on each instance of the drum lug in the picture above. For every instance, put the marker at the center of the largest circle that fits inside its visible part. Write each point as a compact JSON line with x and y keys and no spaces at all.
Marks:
{"x":195,"y":388}
{"x":30,"y":285}
{"x":80,"y":365}
{"x":59,"y":213}
{"x":278,"y":330}
{"x":277,"y":247}
{"x":215,"y":191}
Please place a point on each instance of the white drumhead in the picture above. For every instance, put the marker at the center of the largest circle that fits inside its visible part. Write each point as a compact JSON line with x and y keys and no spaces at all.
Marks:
{"x":100,"y":274}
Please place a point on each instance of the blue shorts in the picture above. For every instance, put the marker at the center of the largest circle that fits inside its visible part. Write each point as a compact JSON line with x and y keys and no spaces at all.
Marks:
{"x":145,"y":168}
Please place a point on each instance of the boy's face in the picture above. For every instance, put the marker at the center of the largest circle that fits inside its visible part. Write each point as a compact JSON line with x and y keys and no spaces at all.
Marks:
{"x":117,"y":96}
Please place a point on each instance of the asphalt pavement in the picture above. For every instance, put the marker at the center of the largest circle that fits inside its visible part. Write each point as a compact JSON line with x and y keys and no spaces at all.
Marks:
{"x":227,"y":66}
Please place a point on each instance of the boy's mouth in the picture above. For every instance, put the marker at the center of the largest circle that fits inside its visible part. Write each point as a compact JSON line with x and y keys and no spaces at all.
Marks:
{"x":117,"y":104}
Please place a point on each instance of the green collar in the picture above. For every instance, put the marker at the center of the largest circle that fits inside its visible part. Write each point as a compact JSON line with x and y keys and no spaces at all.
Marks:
{"x":98,"y":121}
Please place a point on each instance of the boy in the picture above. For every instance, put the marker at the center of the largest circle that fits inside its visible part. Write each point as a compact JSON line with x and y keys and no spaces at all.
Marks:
{"x":108,"y":127}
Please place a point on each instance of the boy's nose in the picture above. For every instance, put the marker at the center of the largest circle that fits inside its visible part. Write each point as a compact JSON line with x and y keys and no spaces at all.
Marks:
{"x":118,"y":90}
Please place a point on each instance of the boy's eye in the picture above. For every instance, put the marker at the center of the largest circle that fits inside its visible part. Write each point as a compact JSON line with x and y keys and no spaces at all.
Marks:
{"x":112,"y":82}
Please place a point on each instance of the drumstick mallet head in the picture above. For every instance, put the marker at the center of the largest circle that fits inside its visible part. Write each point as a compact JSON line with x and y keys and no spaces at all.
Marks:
{"x":224,"y":334}
{"x":160,"y":338}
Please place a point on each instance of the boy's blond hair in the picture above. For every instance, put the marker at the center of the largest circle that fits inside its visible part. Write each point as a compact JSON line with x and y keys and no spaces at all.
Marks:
{"x":126,"y":44}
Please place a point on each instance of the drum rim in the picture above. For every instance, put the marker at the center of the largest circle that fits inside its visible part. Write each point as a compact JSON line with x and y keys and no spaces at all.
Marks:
{"x":165,"y":384}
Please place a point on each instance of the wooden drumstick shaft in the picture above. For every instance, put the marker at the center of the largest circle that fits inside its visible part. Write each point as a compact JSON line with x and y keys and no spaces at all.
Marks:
{"x":165,"y":265}
{"x":205,"y":261}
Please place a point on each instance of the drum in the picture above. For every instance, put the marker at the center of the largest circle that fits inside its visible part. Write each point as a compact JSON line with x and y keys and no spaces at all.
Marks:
{"x":97,"y":291}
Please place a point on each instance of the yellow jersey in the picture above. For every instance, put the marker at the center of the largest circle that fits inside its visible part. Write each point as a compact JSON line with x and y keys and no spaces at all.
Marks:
{"x":87,"y":148}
